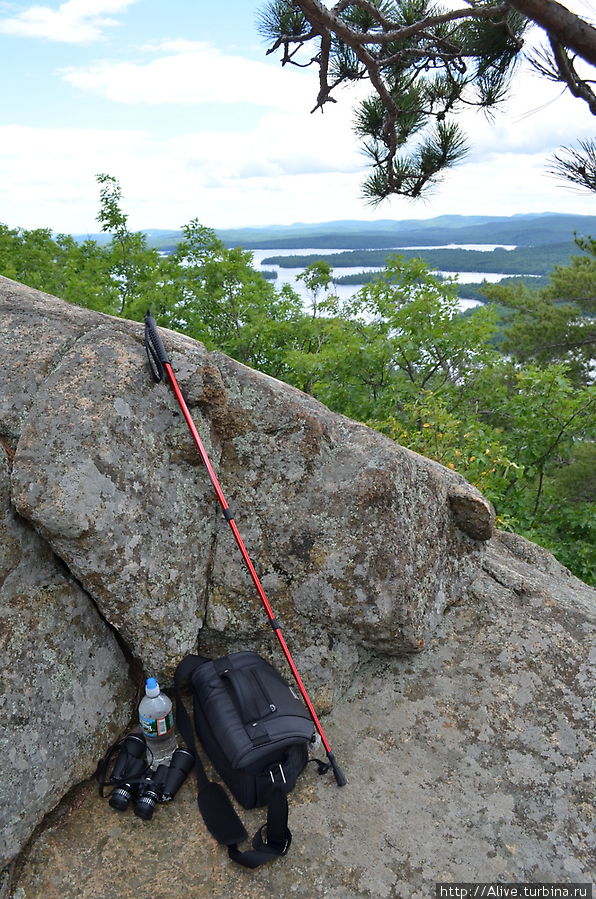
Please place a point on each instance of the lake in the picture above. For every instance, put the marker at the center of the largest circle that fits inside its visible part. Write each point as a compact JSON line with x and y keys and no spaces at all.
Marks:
{"x":345,"y":291}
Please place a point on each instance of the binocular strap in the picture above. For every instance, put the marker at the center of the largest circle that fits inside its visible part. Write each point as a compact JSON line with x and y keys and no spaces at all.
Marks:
{"x":215,"y":806}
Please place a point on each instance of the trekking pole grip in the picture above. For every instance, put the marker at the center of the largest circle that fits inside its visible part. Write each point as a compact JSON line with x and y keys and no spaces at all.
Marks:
{"x":156,"y":351}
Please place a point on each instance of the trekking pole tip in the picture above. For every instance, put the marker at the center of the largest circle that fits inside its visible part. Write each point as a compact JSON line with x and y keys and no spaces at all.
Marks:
{"x":338,"y":773}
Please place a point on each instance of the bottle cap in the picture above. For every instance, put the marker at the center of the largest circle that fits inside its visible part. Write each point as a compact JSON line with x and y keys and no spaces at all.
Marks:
{"x":151,"y":687}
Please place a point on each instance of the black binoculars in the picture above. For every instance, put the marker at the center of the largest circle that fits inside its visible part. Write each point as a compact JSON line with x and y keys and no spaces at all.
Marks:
{"x":134,"y":781}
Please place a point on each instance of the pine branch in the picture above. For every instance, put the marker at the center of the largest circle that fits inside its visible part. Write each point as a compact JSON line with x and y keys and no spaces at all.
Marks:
{"x":568,"y":28}
{"x":450,"y":58}
{"x":577,"y":166}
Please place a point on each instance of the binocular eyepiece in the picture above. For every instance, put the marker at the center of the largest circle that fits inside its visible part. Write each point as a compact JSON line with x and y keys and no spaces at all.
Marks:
{"x":130,"y":765}
{"x":163,"y":784}
{"x":134,"y":781}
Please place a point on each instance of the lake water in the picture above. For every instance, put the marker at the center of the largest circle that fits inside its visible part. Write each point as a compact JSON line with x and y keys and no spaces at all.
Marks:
{"x":346,"y":291}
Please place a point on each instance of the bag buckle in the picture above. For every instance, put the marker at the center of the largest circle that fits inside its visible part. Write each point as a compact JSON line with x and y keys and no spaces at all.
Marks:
{"x":276,"y":768}
{"x":260,"y":841}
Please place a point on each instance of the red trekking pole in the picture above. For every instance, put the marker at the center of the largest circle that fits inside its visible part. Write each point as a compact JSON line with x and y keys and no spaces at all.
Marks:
{"x":160,"y":365}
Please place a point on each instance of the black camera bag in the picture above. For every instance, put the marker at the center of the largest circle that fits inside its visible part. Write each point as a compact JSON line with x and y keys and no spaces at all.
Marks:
{"x":256,"y":733}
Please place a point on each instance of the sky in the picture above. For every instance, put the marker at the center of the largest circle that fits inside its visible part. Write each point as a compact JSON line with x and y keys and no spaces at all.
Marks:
{"x":182,"y":105}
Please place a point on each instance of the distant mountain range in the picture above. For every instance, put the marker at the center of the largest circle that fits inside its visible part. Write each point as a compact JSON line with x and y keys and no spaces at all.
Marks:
{"x":526,"y":230}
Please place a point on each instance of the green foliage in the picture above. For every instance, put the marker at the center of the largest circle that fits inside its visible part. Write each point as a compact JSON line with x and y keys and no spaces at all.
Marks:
{"x":217,"y":297}
{"x":279,"y":18}
{"x":541,"y":415}
{"x":500,"y":395}
{"x":467,"y":445}
{"x":568,"y":527}
{"x":134,"y":270}
{"x":557,"y":321}
{"x":443,"y":145}
{"x":34,"y":257}
{"x":576,"y":282}
{"x":410,"y":325}
{"x":317,"y":278}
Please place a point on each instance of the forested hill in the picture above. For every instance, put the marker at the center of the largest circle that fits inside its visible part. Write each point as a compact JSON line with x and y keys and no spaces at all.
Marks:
{"x":529,"y":230}
{"x":536,"y":260}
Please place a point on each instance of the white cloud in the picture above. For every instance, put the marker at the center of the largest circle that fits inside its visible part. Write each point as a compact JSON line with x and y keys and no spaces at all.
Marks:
{"x":47,"y":179}
{"x":192,"y":72}
{"x":286,"y":165}
{"x":47,"y":175}
{"x":537,"y":117}
{"x":73,"y":22}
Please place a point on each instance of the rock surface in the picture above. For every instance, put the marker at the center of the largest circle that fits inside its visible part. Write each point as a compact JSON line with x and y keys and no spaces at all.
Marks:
{"x":65,"y":687}
{"x":471,"y":761}
{"x":355,"y":538}
{"x":468,"y":761}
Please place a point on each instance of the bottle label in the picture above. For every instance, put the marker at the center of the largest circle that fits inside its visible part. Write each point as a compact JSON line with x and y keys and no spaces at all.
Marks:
{"x":157,"y":727}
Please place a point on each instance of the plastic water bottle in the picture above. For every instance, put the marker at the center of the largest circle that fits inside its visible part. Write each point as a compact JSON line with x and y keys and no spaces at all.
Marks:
{"x":157,"y":723}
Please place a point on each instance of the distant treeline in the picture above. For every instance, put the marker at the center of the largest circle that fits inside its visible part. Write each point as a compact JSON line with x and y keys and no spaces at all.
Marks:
{"x":520,"y":261}
{"x":517,"y":230}
{"x":470,"y":290}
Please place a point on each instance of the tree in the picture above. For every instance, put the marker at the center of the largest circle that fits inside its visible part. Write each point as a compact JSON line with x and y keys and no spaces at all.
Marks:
{"x":556,"y":323}
{"x":399,"y":338}
{"x":425,"y":63}
{"x":317,"y":278}
{"x":568,"y":528}
{"x":58,"y":265}
{"x":135,"y":270}
{"x":400,"y":357}
{"x":222,"y":301}
{"x":34,"y":257}
{"x":546,"y":423}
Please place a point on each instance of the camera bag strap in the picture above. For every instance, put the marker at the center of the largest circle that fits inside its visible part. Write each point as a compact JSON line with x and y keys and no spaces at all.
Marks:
{"x":214,"y":803}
